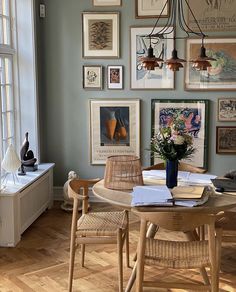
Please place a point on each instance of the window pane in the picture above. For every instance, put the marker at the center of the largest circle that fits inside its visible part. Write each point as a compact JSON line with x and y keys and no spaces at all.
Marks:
{"x":5,"y":7}
{"x":6,"y":31}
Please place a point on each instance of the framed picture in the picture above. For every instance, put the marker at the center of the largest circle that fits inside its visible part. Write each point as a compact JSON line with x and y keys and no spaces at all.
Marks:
{"x":226,"y":140}
{"x":106,"y":2}
{"x":222,"y":73}
{"x":101,"y":34}
{"x":213,"y":15}
{"x":114,"y":128}
{"x":161,"y":78}
{"x":227,"y":109}
{"x":115,"y":77}
{"x":195,"y":116}
{"x":92,"y":77}
{"x":151,"y":8}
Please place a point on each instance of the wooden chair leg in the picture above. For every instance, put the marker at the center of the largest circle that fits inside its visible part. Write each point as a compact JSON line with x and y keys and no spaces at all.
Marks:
{"x":82,"y":254}
{"x":140,"y":259}
{"x":71,"y":263}
{"x":212,"y":245}
{"x":127,"y":242}
{"x":120,"y":259}
{"x":219,"y":232}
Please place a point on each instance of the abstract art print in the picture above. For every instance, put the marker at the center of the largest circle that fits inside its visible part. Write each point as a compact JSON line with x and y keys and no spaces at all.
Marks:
{"x":227,"y":109}
{"x":194,"y":113}
{"x":160,"y":78}
{"x":92,"y":77}
{"x":213,"y":15}
{"x":114,"y":77}
{"x":222,"y":73}
{"x":114,"y":128}
{"x":226,"y":140}
{"x":101,"y":35}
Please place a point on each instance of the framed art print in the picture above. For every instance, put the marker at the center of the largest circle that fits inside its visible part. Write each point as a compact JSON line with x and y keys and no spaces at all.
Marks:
{"x":106,"y":2}
{"x":151,"y":8}
{"x":227,"y":109}
{"x":114,"y":77}
{"x":226,"y":140}
{"x":92,"y":77}
{"x":160,"y":78}
{"x":101,"y":34}
{"x":222,"y":73}
{"x":114,"y":128}
{"x":194,"y":113}
{"x":213,"y":15}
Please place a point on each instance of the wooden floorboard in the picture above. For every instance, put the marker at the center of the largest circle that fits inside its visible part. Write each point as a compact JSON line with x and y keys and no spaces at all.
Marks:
{"x":40,"y":261}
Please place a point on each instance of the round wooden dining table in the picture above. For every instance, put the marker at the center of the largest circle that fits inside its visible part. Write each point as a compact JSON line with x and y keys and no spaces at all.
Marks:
{"x":216,"y":203}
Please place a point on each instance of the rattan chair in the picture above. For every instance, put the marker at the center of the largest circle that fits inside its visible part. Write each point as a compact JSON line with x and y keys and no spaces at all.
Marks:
{"x":182,"y":166}
{"x":95,"y":228}
{"x":180,"y":254}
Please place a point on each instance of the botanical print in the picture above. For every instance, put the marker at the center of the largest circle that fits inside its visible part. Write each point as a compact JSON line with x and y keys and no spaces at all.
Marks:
{"x":213,"y":15}
{"x":222,"y":73}
{"x":114,"y":126}
{"x":227,"y":109}
{"x":160,"y":78}
{"x":194,"y":116}
{"x":100,"y":34}
{"x":226,"y":140}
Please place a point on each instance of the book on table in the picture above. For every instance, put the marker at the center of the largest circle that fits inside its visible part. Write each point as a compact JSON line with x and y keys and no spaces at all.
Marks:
{"x":160,"y":195}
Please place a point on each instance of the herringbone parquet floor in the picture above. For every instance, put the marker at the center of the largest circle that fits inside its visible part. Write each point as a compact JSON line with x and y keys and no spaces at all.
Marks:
{"x":40,"y":261}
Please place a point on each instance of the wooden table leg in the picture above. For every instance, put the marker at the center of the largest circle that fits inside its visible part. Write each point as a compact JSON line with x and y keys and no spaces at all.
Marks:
{"x":151,"y":232}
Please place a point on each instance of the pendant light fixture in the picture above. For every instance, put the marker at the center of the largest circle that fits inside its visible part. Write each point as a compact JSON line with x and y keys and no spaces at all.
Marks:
{"x":176,"y":19}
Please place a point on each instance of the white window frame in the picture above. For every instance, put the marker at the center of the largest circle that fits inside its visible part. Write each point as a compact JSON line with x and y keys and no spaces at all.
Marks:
{"x":23,"y":52}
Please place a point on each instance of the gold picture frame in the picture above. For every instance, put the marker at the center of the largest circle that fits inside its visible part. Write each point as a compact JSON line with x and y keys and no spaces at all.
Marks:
{"x":101,"y":35}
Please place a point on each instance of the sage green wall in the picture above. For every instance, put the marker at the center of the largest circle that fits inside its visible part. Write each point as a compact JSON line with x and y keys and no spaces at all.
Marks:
{"x":64,"y":106}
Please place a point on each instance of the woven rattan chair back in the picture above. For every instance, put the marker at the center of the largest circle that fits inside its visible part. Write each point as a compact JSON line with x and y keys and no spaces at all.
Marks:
{"x":182,"y":167}
{"x":95,"y":228}
{"x":195,"y":253}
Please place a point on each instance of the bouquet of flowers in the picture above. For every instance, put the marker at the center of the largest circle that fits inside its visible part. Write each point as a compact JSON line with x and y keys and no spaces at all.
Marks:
{"x":173,"y":142}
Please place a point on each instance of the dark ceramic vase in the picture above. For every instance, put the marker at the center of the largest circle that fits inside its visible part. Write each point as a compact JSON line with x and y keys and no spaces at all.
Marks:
{"x":171,"y":173}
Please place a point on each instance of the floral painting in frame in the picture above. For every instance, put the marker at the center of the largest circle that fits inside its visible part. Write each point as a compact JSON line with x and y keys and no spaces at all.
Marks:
{"x":227,"y":109}
{"x":213,"y":15}
{"x":92,"y":77}
{"x":114,"y":128}
{"x":160,"y":78}
{"x":225,"y":140}
{"x":101,"y":34}
{"x":194,"y":113}
{"x":222,"y":73}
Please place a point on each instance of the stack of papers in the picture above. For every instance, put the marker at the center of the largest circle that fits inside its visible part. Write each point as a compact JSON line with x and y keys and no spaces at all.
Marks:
{"x":151,"y":195}
{"x":183,"y":176}
{"x":189,"y":196}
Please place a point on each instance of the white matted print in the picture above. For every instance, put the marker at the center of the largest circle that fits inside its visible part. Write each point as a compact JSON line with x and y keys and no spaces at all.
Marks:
{"x":106,"y":2}
{"x":114,"y":128}
{"x":101,"y":34}
{"x":92,"y":77}
{"x":115,"y":77}
{"x":151,"y":8}
{"x":160,"y":78}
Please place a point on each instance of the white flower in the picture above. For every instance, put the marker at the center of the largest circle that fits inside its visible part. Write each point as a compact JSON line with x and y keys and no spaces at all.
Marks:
{"x":179,"y":140}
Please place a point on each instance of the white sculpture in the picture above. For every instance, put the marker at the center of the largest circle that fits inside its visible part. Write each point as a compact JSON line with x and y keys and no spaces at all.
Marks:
{"x":68,"y":203}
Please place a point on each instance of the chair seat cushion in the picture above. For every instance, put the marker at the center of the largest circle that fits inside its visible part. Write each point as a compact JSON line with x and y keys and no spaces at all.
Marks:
{"x":177,"y":254}
{"x":101,"y":223}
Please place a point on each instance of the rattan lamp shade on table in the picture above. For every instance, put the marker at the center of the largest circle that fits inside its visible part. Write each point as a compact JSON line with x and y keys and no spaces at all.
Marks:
{"x":123,"y":172}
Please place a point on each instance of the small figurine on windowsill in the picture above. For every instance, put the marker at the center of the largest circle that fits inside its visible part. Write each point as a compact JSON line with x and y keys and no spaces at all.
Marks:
{"x":27,"y":157}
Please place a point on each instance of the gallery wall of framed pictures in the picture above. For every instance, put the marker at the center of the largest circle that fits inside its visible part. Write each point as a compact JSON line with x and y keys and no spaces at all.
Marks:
{"x":111,"y":63}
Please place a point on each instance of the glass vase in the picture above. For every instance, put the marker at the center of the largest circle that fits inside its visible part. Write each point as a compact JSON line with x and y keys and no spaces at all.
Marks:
{"x":171,"y":173}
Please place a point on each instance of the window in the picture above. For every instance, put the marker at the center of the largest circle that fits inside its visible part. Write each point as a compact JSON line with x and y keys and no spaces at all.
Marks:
{"x":7,"y":97}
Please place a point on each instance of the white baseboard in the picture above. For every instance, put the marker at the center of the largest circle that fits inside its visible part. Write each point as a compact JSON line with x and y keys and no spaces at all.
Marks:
{"x":58,"y":195}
